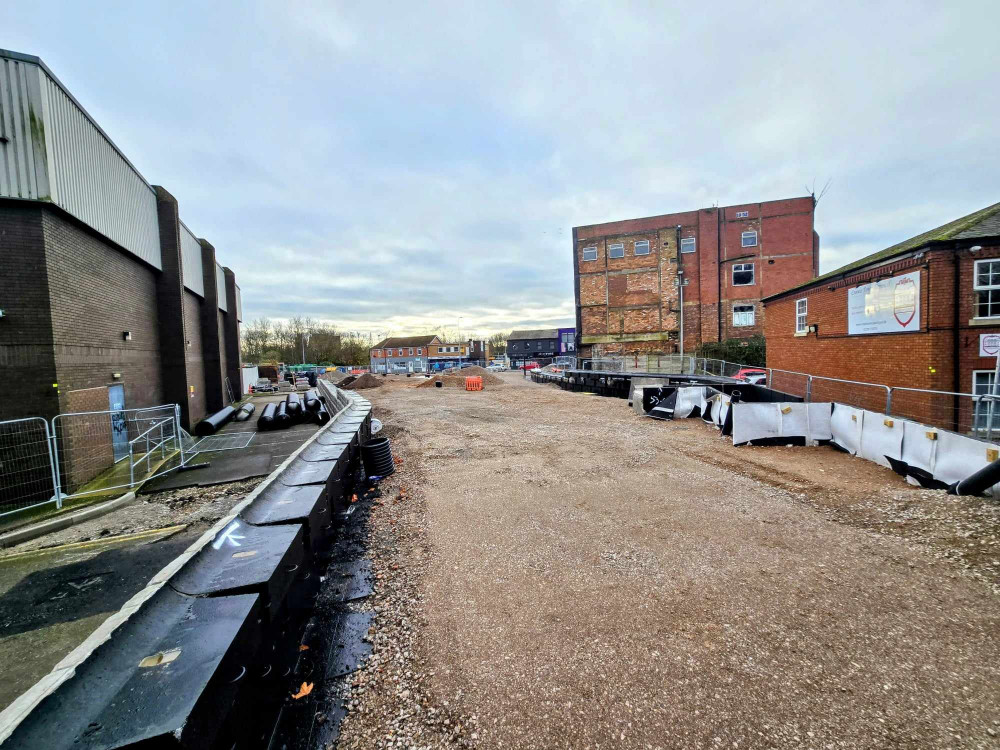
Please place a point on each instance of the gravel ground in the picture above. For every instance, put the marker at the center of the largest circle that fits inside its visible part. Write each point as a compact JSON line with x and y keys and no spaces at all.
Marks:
{"x":197,"y":507}
{"x":562,"y":573}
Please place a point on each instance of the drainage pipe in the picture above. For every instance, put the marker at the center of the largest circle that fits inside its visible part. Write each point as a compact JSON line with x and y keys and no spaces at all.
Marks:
{"x":977,"y":483}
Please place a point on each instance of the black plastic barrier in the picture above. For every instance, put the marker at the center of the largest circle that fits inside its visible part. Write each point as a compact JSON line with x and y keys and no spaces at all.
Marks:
{"x":267,"y":415}
{"x":244,"y":412}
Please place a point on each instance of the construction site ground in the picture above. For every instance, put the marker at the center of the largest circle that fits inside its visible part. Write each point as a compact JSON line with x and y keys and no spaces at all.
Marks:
{"x":554,"y":571}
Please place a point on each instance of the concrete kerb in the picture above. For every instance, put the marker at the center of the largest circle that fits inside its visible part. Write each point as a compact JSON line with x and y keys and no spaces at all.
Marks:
{"x":26,"y":534}
{"x":15,"y":713}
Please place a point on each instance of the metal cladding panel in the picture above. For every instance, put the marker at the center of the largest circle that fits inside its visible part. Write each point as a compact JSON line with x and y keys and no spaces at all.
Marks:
{"x":239,"y":305}
{"x":191,"y":261}
{"x":23,"y":167}
{"x":220,"y":286}
{"x":93,"y":181}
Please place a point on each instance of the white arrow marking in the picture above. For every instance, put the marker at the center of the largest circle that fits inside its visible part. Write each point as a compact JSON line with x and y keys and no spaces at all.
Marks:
{"x":228,"y":535}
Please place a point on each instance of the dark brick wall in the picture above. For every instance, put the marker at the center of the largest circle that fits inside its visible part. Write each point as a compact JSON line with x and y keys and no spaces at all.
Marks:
{"x":195,"y":365}
{"x":232,"y":335}
{"x":26,"y":329}
{"x":223,"y":364}
{"x":97,"y":292}
{"x":211,"y":344}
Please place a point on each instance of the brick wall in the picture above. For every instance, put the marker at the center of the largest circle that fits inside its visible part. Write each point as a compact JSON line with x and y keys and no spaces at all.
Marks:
{"x":97,"y":292}
{"x":636,"y":294}
{"x":924,"y":359}
{"x":195,"y":363}
{"x":26,"y":356}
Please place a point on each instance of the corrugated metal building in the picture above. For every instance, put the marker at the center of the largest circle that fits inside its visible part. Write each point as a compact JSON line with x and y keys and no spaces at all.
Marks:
{"x":103,"y":289}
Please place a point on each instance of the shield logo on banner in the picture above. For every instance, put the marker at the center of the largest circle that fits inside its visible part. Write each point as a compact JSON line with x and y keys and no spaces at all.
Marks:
{"x":990,"y":345}
{"x":904,"y":301}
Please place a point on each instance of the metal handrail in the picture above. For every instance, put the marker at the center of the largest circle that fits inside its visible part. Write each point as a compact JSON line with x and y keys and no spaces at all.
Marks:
{"x":145,"y":435}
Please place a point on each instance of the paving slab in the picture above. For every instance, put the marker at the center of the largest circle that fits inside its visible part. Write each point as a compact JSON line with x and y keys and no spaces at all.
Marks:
{"x":166,"y":678}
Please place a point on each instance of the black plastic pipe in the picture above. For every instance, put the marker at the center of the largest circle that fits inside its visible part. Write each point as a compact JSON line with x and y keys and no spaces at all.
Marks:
{"x":266,"y":419}
{"x":281,"y":418}
{"x":294,"y":405}
{"x":977,"y":483}
{"x":321,"y":415}
{"x":376,"y":455}
{"x":213,"y":422}
{"x":312,"y":401}
{"x":244,"y":412}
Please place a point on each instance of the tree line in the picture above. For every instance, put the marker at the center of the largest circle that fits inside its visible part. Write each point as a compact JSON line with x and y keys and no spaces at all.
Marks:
{"x":266,"y":340}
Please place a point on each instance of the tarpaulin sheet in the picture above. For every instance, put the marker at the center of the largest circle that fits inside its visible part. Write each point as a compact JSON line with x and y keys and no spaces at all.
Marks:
{"x":958,"y":457}
{"x":881,"y":436}
{"x":758,"y":421}
{"x":919,"y":450}
{"x":845,"y":426}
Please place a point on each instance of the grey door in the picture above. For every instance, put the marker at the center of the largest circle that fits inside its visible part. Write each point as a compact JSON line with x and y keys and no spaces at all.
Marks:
{"x":119,"y":427}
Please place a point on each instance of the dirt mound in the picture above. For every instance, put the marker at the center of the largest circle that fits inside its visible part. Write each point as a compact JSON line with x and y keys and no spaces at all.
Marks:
{"x":458,"y":381}
{"x":365,"y":381}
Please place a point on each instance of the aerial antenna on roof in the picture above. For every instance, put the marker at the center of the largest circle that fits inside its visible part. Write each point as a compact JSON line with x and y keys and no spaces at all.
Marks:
{"x":812,"y":191}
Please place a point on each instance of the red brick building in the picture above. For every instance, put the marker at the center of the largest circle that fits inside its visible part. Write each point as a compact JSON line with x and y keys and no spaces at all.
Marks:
{"x":917,"y":314}
{"x":626,"y":272}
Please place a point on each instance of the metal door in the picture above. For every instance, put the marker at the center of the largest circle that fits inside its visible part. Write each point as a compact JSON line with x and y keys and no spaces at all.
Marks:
{"x":119,"y":427}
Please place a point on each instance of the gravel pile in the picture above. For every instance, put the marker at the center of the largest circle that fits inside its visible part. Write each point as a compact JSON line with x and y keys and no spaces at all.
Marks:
{"x":363,"y":381}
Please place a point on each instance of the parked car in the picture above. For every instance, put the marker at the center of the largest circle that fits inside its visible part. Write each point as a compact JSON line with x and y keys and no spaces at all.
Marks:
{"x":752,"y":375}
{"x":263,"y":385}
{"x":530,"y":366}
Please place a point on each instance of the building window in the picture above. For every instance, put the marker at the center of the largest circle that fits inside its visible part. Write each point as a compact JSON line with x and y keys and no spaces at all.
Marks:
{"x":411,"y":351}
{"x":801,"y":308}
{"x":642,"y":247}
{"x":743,"y":315}
{"x":749,"y":239}
{"x":687,"y":245}
{"x":743,"y":274}
{"x":982,"y":385}
{"x":590,"y":253}
{"x":742,"y":214}
{"x":420,"y":350}
{"x":987,"y":286}
{"x":616,"y":250}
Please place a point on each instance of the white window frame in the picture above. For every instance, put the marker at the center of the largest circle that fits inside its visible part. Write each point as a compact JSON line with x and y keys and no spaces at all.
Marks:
{"x":742,"y":214}
{"x":688,"y":244}
{"x":411,"y":351}
{"x":743,"y":268}
{"x":985,"y":405}
{"x":587,"y":250}
{"x":615,"y":247}
{"x":992,"y":290}
{"x":643,"y":243}
{"x":748,"y":316}
{"x":749,"y":235}
{"x":802,"y":315}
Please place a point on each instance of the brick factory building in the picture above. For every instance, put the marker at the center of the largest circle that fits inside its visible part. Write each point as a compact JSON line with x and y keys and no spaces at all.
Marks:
{"x":924,"y":313}
{"x":625,"y":274}
{"x":108,"y":299}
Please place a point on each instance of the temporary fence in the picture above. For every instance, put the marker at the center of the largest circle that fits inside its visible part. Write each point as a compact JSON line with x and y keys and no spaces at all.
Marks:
{"x":83,"y":454}
{"x":964,"y":413}
{"x":27,"y":474}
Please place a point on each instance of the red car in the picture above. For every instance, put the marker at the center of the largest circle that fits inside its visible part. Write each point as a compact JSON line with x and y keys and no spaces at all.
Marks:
{"x":531,"y":366}
{"x":752,"y":375}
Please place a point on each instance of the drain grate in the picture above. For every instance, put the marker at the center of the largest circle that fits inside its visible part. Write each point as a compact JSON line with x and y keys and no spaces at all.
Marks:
{"x":223,"y":442}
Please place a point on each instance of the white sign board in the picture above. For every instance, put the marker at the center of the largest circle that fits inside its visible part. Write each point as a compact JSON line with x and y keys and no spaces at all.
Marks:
{"x":989,"y":344}
{"x":887,"y":306}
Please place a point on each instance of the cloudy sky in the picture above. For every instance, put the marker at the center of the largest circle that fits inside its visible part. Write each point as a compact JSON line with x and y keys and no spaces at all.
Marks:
{"x":399,"y":166}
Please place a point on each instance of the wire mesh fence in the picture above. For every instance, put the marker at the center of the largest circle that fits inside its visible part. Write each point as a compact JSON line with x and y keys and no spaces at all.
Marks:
{"x":101,"y":451}
{"x":27,"y":476}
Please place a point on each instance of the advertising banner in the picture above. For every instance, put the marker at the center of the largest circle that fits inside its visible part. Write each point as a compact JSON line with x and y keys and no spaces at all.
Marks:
{"x":887,"y":306}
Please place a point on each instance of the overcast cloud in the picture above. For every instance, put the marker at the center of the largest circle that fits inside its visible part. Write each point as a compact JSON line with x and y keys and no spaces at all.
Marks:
{"x":391,"y":166}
